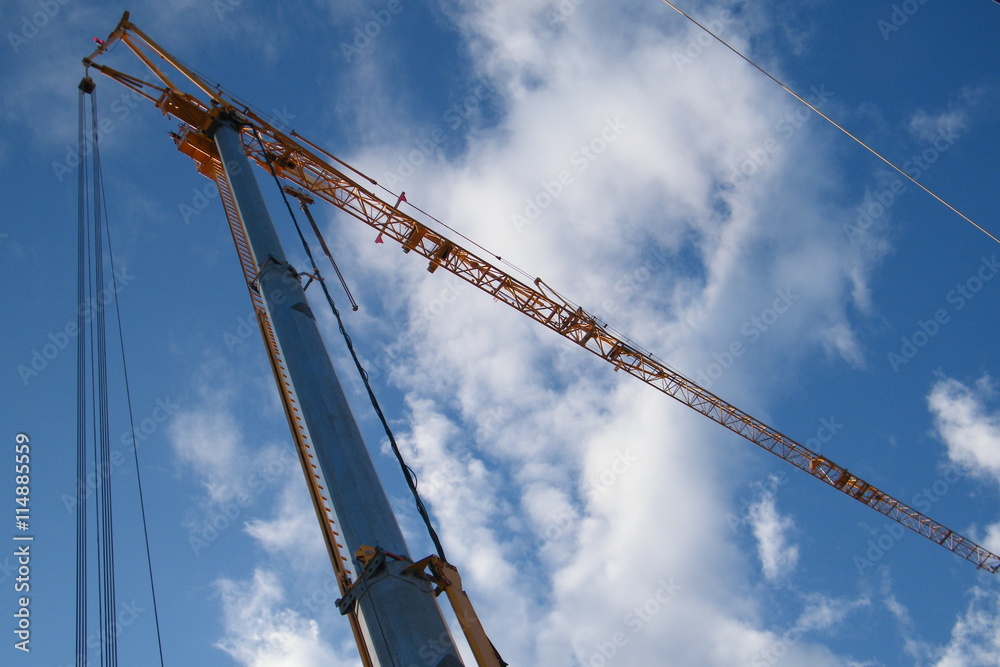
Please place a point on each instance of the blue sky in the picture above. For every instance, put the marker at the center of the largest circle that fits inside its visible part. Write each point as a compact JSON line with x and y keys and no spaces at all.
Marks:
{"x":596,"y":522}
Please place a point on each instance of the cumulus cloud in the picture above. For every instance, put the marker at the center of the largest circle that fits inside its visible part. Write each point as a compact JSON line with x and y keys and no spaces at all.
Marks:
{"x":680,"y":197}
{"x":822,"y":613}
{"x":209,"y":440}
{"x":777,"y":556}
{"x":928,"y":126}
{"x":239,"y":473}
{"x":975,"y":637}
{"x":968,"y":427}
{"x":572,"y":497}
{"x":260,"y":631}
{"x":292,"y":533}
{"x":919,"y":650}
{"x":686,"y":203}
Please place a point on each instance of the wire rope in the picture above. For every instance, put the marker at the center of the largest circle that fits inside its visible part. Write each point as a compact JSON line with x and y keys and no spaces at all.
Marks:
{"x":105,"y":525}
{"x":94,"y":293}
{"x":131,"y":418}
{"x":833,"y":122}
{"x":408,"y":473}
{"x":83,"y":207}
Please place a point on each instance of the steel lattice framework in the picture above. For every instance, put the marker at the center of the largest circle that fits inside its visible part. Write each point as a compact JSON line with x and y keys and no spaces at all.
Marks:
{"x":302,"y":163}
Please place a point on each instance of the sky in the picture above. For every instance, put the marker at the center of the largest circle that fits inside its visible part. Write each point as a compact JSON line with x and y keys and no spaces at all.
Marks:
{"x":640,"y":169}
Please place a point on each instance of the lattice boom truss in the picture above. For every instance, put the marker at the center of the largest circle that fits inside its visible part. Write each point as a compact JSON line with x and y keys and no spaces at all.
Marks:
{"x":304,"y":164}
{"x":300,"y":165}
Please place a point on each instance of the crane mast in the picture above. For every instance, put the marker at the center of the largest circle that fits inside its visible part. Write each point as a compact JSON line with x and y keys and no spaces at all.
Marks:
{"x":221,"y":135}
{"x":391,"y":601}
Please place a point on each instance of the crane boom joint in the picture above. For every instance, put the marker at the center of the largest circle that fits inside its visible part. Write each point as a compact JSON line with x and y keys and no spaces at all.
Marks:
{"x":378,"y":564}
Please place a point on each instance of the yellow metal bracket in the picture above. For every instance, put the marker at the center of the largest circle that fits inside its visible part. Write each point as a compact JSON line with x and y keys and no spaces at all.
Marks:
{"x":447,"y":580}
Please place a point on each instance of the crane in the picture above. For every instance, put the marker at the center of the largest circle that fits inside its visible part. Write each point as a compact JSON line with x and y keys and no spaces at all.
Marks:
{"x":310,"y":172}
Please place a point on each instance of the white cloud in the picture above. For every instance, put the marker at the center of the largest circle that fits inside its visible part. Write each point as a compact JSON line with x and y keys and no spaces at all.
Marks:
{"x":260,"y":627}
{"x":578,"y":503}
{"x":975,"y":637}
{"x":992,"y":539}
{"x":259,"y":631}
{"x":970,"y":430}
{"x":823,"y":613}
{"x":209,"y":440}
{"x":928,"y":126}
{"x":207,"y":436}
{"x":920,"y":651}
{"x":777,"y":556}
{"x":292,"y":534}
{"x":556,"y":481}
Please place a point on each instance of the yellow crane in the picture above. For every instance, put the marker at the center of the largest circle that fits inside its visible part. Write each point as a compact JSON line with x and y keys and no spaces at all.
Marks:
{"x":315,"y":173}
